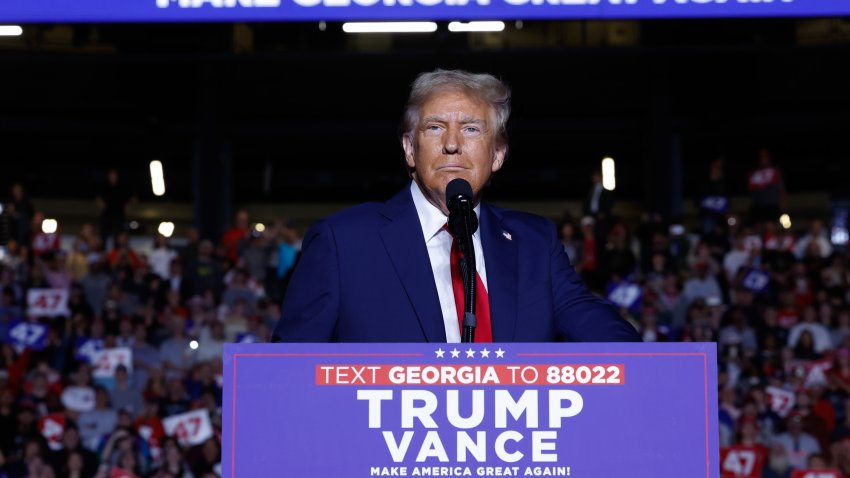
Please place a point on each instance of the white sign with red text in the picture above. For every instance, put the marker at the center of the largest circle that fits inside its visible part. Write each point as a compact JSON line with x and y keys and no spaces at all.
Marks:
{"x":47,"y":302}
{"x":106,"y":361}
{"x":781,"y":401}
{"x":817,"y":371}
{"x":191,"y":428}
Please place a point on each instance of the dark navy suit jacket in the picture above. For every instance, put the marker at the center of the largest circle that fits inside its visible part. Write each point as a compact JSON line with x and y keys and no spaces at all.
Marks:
{"x":365,"y":276}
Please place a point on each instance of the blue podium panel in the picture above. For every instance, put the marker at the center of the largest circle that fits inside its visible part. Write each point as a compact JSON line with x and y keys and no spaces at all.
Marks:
{"x":342,"y":10}
{"x":364,"y":410}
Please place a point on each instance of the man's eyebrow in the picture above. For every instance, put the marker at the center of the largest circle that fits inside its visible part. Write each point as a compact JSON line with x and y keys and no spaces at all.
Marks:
{"x":433,"y":118}
{"x":465,"y":119}
{"x":472,"y":119}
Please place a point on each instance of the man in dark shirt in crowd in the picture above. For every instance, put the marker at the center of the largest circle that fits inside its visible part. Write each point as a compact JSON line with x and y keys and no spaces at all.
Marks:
{"x":21,"y":212}
{"x":767,"y":189}
{"x":112,"y":200}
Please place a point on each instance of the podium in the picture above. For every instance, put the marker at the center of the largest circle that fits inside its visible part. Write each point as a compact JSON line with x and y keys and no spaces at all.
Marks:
{"x":365,"y":410}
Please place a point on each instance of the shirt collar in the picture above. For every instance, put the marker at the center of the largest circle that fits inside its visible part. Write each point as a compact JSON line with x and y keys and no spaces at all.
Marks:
{"x":431,"y":218}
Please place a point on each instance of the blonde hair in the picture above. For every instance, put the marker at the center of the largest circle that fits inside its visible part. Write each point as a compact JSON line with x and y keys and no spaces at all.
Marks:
{"x":483,"y":85}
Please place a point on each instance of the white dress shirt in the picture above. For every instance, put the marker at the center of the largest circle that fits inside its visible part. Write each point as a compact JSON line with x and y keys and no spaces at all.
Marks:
{"x":439,"y":243}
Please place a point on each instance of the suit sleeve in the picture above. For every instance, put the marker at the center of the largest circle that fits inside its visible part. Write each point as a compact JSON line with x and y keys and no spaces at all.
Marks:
{"x":311,"y":306}
{"x":580,"y":315}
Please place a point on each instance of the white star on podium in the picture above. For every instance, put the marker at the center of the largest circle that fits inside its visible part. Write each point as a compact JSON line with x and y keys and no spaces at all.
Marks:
{"x":440,"y":352}
{"x":485,"y":353}
{"x":500,"y":353}
{"x":455,"y":353}
{"x":470,"y":353}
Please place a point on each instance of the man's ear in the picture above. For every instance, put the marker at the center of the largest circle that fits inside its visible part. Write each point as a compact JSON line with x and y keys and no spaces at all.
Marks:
{"x":499,"y":156}
{"x":409,"y":150}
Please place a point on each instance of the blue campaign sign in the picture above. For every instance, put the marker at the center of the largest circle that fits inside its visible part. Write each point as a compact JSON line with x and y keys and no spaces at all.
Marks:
{"x":716,"y":204}
{"x":88,"y":348}
{"x":246,"y":338}
{"x":369,"y":410}
{"x":626,"y":295}
{"x":30,"y":335}
{"x":23,"y":11}
{"x":756,"y":280}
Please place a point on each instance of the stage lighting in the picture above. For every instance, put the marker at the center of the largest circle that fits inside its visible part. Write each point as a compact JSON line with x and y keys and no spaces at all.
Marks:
{"x":166,"y":229}
{"x":11,"y":31}
{"x":608,"y":180}
{"x":476,"y":27}
{"x":49,"y":226}
{"x":157,"y":178}
{"x":389,"y":27}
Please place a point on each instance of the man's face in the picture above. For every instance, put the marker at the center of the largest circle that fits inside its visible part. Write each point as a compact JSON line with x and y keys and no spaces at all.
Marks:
{"x":455,"y":138}
{"x":71,"y":438}
{"x":101,"y":399}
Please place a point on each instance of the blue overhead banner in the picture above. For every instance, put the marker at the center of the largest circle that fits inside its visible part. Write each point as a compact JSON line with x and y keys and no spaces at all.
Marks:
{"x":49,"y":11}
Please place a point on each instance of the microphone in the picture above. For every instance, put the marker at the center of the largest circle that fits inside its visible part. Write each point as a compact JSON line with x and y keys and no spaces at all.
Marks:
{"x":462,"y":219}
{"x":462,"y":224}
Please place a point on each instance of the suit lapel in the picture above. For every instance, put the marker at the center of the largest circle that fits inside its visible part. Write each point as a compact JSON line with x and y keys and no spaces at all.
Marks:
{"x":402,"y":238}
{"x":500,"y":257}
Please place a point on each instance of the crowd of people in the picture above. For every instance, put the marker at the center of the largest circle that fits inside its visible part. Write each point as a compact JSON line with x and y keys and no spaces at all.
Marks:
{"x":100,"y":383}
{"x":774,"y":299}
{"x":775,"y":302}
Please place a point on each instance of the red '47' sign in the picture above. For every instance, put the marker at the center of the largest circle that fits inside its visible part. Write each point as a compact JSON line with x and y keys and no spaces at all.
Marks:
{"x":740,"y":462}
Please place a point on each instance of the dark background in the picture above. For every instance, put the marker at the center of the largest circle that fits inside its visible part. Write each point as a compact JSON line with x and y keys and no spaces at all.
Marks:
{"x":317,"y":112}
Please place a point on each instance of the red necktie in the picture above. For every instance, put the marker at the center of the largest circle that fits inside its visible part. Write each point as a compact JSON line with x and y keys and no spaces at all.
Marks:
{"x":483,"y":330}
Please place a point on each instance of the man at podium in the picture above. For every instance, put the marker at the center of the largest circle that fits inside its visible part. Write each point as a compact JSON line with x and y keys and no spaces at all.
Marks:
{"x":390,"y":272}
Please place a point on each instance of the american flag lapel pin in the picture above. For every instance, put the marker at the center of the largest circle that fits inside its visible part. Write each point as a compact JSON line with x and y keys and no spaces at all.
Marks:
{"x":507,"y":235}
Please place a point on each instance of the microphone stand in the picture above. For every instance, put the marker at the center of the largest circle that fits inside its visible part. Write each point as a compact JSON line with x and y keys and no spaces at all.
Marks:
{"x":468,"y":272}
{"x":465,"y":225}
